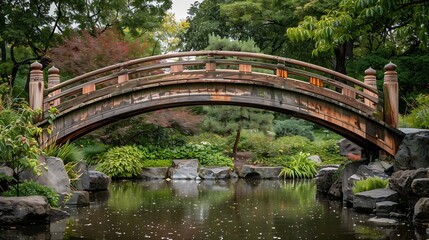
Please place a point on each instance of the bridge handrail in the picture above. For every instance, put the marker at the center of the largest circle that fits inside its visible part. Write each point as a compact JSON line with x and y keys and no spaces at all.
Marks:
{"x":211,"y":53}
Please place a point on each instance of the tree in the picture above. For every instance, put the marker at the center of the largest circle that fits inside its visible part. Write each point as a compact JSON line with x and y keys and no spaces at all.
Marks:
{"x":226,"y":119}
{"x":168,"y":34}
{"x":368,"y":24}
{"x":83,"y":52}
{"x":33,"y":27}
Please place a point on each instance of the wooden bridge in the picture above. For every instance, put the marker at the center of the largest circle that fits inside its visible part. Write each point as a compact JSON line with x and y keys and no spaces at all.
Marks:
{"x":350,"y":107}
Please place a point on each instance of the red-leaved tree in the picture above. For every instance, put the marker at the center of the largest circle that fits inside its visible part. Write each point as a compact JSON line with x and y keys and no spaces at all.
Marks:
{"x":83,"y":52}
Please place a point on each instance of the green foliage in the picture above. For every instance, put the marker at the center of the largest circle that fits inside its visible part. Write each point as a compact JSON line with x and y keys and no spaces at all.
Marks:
{"x":419,"y":116}
{"x":157,"y":163}
{"x":134,"y":131}
{"x":34,"y":189}
{"x":291,"y":127}
{"x":206,"y":137}
{"x":18,"y":145}
{"x":226,"y":44}
{"x":207,"y":154}
{"x":299,"y":167}
{"x":121,"y":162}
{"x":370,"y":183}
{"x":225,"y":120}
{"x":68,"y":152}
{"x":251,"y":140}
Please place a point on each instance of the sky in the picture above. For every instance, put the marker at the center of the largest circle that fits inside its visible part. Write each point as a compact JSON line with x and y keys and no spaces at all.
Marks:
{"x":180,"y":8}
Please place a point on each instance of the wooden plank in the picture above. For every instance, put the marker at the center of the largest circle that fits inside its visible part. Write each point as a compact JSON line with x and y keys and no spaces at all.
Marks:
{"x":90,"y":87}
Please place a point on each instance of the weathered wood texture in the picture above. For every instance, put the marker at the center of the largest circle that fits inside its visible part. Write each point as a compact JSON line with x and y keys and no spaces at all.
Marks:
{"x":343,"y":104}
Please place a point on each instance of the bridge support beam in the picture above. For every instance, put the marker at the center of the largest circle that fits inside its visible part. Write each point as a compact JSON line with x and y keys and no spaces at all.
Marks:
{"x":391,"y":95}
{"x":36,"y":88}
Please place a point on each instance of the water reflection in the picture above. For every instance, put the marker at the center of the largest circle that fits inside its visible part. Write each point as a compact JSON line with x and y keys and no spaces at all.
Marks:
{"x":241,"y":209}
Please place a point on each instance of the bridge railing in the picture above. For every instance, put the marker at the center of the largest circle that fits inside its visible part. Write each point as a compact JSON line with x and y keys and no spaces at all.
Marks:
{"x":308,"y":77}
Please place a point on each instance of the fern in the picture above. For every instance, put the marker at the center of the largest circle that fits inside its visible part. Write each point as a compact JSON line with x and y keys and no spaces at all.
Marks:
{"x":370,"y":183}
{"x":299,"y":167}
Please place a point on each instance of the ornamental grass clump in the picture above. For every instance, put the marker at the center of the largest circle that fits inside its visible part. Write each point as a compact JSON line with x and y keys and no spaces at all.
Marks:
{"x":370,"y":183}
{"x":299,"y":167}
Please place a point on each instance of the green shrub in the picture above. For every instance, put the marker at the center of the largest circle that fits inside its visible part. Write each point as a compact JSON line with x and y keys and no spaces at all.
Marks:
{"x":157,"y":163}
{"x":299,"y":167}
{"x":294,"y":127}
{"x":121,"y":162}
{"x":68,"y":152}
{"x":34,"y":189}
{"x":92,"y":152}
{"x":250,"y":140}
{"x":419,"y":116}
{"x":369,"y":184}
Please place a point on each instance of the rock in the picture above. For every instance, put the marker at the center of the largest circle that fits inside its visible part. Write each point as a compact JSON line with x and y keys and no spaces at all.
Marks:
{"x":366,"y":171}
{"x":250,"y":171}
{"x":23,"y":210}
{"x":401,"y":181}
{"x":53,"y":175}
{"x":83,"y":182}
{"x":420,"y":187}
{"x":56,"y":214}
{"x":347,"y":182}
{"x":315,"y":158}
{"x":325,"y":178}
{"x":336,"y":190}
{"x":349,"y":149}
{"x":98,"y":181}
{"x":383,"y":221}
{"x":413,"y":153}
{"x":79,"y":198}
{"x":154,"y":172}
{"x":382,"y":167}
{"x":421,"y":212}
{"x":214,"y":172}
{"x":383,"y":209}
{"x":233,"y":175}
{"x":6,"y":171}
{"x":184,"y":169}
{"x":397,"y":215}
{"x":367,"y":200}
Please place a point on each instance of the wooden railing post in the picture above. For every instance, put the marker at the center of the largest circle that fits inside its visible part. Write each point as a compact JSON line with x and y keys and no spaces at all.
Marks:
{"x":36,"y":88}
{"x":371,"y":80}
{"x":53,"y":80}
{"x":391,"y":95}
{"x":123,"y":76}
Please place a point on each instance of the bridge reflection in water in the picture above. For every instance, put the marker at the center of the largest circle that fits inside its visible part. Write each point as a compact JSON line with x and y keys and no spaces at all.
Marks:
{"x":350,"y":107}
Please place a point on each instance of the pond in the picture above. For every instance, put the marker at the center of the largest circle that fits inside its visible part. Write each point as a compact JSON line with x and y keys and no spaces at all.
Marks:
{"x":236,"y":209}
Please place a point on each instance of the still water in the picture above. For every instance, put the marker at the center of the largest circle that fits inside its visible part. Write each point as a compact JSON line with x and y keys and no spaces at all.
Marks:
{"x":236,"y":209}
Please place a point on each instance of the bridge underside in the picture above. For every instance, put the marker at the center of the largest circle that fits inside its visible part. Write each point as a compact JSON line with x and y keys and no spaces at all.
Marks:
{"x":98,"y":111}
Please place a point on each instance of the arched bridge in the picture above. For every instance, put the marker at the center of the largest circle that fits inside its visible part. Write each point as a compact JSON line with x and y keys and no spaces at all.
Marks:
{"x":348,"y":106}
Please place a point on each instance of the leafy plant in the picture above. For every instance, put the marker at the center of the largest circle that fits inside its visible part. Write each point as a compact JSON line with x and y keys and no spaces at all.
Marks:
{"x":299,"y":167}
{"x":72,"y":173}
{"x":369,"y":184}
{"x":68,"y":152}
{"x":121,"y":162}
{"x":18,"y":139}
{"x":34,"y":189}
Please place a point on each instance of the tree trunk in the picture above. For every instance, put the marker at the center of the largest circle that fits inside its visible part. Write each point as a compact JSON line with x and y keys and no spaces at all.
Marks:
{"x":237,"y":139}
{"x":3,"y":58}
{"x":342,"y":53}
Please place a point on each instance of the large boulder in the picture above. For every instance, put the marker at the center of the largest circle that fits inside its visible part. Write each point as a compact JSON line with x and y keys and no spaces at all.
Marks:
{"x":367,"y":200}
{"x":184,"y":169}
{"x":401,"y":181}
{"x":336,"y":190}
{"x":79,"y":198}
{"x":214,"y":172}
{"x":250,"y":171}
{"x":325,"y":178}
{"x":154,"y":172}
{"x":413,"y":153}
{"x":347,"y":180}
{"x":98,"y":181}
{"x":23,"y":210}
{"x":53,"y":175}
{"x":421,"y":212}
{"x":383,"y":209}
{"x":83,"y":182}
{"x":420,"y":187}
